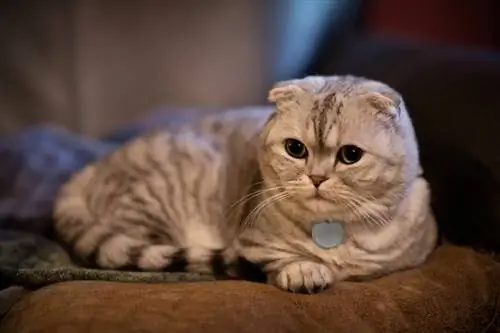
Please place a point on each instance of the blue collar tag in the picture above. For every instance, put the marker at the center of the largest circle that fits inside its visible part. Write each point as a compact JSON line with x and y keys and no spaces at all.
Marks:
{"x":328,"y":234}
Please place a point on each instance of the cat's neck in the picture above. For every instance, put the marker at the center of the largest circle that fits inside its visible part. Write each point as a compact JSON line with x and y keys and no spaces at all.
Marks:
{"x":280,"y":213}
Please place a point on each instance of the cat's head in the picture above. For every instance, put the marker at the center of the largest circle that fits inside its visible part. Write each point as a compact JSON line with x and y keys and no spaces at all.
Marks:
{"x":340,"y":147}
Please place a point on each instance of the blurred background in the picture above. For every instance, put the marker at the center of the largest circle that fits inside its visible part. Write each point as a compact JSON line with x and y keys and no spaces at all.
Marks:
{"x":96,"y":66}
{"x":93,"y":66}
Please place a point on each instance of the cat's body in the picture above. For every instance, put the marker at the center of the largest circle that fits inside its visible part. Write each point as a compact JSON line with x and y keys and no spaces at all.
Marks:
{"x":168,"y":194}
{"x":232,"y":184}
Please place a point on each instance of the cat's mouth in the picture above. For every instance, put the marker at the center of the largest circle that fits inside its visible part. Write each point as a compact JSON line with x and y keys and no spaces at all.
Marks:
{"x":318,"y":195}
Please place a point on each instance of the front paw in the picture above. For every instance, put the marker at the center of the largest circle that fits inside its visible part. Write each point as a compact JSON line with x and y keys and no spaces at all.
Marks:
{"x":304,"y":277}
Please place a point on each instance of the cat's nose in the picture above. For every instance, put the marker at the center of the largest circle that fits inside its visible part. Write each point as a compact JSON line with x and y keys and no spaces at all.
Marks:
{"x":317,"y":180}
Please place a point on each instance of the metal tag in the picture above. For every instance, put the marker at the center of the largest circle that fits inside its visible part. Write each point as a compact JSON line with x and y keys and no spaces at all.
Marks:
{"x":328,"y":234}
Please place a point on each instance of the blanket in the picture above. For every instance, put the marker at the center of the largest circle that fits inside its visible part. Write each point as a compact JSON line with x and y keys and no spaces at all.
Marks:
{"x":33,"y":165}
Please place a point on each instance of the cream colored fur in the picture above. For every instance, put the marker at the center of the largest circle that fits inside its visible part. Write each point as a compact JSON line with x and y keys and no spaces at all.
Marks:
{"x":224,"y":185}
{"x":383,"y":200}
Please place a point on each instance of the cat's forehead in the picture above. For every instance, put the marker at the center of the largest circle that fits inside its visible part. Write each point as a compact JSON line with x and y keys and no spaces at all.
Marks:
{"x":335,"y":113}
{"x":327,"y":107}
{"x":337,"y":100}
{"x":322,"y":119}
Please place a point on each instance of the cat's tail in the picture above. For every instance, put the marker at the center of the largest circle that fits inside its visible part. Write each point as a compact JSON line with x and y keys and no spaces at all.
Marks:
{"x":126,"y":253}
{"x":100,"y":246}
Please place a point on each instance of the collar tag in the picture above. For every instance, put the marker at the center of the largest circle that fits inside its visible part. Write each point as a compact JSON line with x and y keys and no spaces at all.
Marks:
{"x":328,"y":234}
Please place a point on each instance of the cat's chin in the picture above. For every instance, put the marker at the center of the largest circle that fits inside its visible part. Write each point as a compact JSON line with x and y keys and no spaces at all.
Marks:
{"x":321,"y":208}
{"x":319,"y":198}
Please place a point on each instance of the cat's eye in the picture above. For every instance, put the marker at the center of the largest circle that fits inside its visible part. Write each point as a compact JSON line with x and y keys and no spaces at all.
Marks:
{"x":349,"y":154}
{"x":295,"y":148}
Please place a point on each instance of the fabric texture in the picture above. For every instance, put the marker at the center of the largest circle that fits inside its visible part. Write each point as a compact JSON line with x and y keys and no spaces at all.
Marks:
{"x":457,"y":290}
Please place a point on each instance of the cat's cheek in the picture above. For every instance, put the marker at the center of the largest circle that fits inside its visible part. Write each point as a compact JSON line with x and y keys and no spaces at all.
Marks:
{"x":289,"y":171}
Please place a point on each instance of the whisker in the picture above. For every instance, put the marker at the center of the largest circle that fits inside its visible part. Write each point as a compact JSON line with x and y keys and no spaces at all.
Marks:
{"x":362,"y":208}
{"x":254,"y":214}
{"x":244,"y":199}
{"x":252,"y":195}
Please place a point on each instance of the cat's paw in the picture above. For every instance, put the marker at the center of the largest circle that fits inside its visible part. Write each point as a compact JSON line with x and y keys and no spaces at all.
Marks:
{"x":304,"y":277}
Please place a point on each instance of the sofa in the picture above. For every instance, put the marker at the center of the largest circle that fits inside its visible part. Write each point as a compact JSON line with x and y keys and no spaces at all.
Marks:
{"x":452,"y":96}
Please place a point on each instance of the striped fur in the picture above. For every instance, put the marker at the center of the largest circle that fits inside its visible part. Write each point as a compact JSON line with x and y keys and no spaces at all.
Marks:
{"x":164,"y":196}
{"x":223,"y":186}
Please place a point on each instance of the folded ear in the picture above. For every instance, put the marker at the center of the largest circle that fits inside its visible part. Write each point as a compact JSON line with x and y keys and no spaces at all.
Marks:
{"x":283,"y":91}
{"x":289,"y":93}
{"x":385,"y":100}
{"x":285,"y":96}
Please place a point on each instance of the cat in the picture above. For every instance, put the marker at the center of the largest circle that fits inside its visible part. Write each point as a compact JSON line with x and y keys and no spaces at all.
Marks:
{"x":251,"y":183}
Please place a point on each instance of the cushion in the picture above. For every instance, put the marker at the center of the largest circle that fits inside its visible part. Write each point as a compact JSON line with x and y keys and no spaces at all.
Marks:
{"x":456,"y":290}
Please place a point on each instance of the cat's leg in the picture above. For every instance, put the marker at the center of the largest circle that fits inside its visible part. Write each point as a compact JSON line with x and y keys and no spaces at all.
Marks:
{"x":284,"y":266}
{"x":304,"y":276}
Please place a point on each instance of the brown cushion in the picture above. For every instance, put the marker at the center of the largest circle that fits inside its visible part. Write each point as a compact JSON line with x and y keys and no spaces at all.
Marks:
{"x":456,"y":290}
